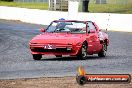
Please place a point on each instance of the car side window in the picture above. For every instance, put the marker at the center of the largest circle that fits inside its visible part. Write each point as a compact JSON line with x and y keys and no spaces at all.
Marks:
{"x":91,"y":26}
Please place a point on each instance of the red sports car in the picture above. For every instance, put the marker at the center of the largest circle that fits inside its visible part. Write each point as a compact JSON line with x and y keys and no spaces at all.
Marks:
{"x":70,"y":37}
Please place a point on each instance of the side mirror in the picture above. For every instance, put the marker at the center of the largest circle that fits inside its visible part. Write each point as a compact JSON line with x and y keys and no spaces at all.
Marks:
{"x":91,"y":31}
{"x":42,"y":30}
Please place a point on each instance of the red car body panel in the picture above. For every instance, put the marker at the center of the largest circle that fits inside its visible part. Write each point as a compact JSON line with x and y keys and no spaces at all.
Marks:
{"x":62,"y":40}
{"x":67,"y":43}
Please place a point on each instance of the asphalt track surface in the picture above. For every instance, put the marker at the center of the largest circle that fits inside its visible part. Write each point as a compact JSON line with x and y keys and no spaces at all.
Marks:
{"x":16,"y":60}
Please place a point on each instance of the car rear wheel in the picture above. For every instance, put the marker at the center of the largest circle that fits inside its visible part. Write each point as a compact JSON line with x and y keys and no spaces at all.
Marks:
{"x":102,"y":53}
{"x":58,"y":55}
{"x":37,"y":57}
{"x":83,"y":52}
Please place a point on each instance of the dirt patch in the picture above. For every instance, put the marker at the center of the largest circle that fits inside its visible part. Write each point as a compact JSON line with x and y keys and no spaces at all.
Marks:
{"x":56,"y":82}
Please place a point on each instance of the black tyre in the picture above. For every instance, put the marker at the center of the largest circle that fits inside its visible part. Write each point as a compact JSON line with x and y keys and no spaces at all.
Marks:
{"x":102,"y":53}
{"x":58,"y":55}
{"x":83,"y":52}
{"x":37,"y":57}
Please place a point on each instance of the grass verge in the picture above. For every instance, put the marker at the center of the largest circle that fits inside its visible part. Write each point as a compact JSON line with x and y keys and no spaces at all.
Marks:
{"x":30,"y":5}
{"x":94,"y":8}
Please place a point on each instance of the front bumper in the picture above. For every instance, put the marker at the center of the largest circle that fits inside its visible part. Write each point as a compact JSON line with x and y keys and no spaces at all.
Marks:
{"x":60,"y":49}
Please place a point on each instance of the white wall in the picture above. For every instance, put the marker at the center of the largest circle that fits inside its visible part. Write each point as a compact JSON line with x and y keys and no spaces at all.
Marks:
{"x":117,"y":22}
{"x":30,"y":15}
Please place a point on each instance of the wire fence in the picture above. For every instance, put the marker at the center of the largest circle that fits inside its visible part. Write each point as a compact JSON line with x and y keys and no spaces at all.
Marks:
{"x":94,"y":6}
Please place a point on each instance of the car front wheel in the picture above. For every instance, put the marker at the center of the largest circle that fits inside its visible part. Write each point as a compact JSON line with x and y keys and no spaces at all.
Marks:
{"x":37,"y":57}
{"x":83,"y":52}
{"x":102,"y":53}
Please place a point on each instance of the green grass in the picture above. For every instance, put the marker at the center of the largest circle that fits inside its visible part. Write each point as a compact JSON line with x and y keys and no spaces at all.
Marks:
{"x":110,"y":8}
{"x":114,"y":6}
{"x":30,"y":5}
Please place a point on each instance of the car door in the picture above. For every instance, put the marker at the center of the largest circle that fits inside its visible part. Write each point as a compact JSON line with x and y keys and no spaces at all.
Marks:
{"x":93,"y":40}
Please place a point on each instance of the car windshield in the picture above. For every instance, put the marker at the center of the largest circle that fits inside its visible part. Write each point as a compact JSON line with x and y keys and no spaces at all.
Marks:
{"x":72,"y":27}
